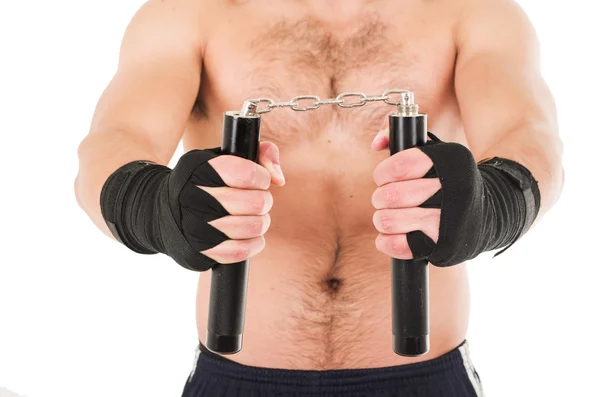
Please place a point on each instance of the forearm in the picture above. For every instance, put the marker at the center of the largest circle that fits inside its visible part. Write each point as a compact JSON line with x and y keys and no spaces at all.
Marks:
{"x":100,"y":154}
{"x":538,"y":148}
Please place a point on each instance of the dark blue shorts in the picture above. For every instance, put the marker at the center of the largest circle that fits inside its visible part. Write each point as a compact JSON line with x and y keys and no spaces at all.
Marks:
{"x":450,"y":375}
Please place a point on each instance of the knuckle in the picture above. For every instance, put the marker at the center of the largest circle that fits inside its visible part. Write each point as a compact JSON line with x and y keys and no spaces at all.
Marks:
{"x":391,"y":196}
{"x":257,"y":202}
{"x":255,"y":227}
{"x":399,"y":168}
{"x":399,"y":247}
{"x":238,"y":252}
{"x":241,"y":171}
{"x":385,"y":221}
{"x":387,"y":226}
{"x":248,"y":175}
{"x":260,"y":202}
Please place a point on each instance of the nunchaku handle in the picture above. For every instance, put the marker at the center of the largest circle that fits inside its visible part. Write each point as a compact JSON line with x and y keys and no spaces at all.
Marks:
{"x":229,"y":282}
{"x":410,"y":278}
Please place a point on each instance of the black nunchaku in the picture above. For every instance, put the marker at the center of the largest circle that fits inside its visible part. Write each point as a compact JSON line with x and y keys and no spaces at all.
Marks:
{"x":410,"y":278}
{"x":229,"y":282}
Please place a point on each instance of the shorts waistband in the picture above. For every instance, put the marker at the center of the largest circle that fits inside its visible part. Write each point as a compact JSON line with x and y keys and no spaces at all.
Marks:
{"x":448,"y":364}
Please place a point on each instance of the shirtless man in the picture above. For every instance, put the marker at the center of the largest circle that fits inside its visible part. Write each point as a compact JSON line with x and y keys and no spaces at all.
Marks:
{"x":321,"y":237}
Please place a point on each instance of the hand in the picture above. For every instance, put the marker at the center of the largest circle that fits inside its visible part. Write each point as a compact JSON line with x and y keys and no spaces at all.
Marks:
{"x":248,"y":201}
{"x":401,"y":190}
{"x":209,"y":209}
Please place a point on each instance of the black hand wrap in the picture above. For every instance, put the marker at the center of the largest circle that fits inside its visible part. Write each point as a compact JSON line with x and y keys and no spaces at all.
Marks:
{"x":151,"y":208}
{"x":483,"y":206}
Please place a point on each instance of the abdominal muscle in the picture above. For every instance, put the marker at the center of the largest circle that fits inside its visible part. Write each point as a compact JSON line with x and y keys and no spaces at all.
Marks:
{"x":319,"y":294}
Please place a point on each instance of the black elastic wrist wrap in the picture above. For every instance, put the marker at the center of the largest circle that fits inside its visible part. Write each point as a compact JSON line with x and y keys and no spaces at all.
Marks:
{"x":516,"y":192}
{"x":117,"y":196}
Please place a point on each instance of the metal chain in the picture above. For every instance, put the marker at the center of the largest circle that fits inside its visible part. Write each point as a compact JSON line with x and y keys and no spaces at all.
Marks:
{"x":405,"y":102}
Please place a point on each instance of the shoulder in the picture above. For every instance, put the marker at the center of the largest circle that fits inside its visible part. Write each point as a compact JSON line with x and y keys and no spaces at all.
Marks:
{"x":186,"y":21}
{"x":488,"y":8}
{"x":492,"y":21}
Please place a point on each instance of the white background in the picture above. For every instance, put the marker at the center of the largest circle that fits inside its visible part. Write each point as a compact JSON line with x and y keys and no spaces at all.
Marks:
{"x":81,"y":316}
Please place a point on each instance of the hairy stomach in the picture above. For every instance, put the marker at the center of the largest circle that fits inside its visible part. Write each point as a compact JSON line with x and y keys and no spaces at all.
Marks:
{"x":319,"y":294}
{"x":295,"y":321}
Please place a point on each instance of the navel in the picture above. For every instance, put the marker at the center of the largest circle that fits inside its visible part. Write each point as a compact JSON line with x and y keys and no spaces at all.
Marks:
{"x":333,"y":284}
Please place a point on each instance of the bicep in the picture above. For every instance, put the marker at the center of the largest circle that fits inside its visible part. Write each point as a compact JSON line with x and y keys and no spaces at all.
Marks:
{"x":498,"y":82}
{"x":158,"y":76}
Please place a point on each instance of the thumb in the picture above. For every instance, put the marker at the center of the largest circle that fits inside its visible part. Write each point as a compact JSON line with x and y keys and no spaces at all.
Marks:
{"x":382,"y":139}
{"x":268,"y":157}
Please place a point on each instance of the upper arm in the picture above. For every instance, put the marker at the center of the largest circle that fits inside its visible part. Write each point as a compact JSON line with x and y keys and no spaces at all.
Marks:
{"x":498,"y":81}
{"x":158,"y":76}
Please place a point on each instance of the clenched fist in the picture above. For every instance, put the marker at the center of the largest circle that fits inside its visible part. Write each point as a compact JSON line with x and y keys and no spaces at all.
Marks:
{"x":209,"y":209}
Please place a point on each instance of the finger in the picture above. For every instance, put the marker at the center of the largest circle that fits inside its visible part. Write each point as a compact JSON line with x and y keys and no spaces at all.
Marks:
{"x":241,"y":173}
{"x":394,"y":245}
{"x":240,"y":201}
{"x":268,"y":157}
{"x":242,"y":227}
{"x":405,"y":165}
{"x":405,"y":194}
{"x":381,"y":140}
{"x":233,"y":251}
{"x":405,"y":220}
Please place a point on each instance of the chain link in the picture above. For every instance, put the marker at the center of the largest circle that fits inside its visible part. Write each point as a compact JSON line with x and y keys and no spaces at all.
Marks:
{"x":343,"y":100}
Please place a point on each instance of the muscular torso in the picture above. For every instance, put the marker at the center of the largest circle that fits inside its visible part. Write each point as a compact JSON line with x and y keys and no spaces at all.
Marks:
{"x":319,"y":294}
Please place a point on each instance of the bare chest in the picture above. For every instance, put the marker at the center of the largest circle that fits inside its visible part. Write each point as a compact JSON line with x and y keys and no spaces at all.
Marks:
{"x":259,"y":50}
